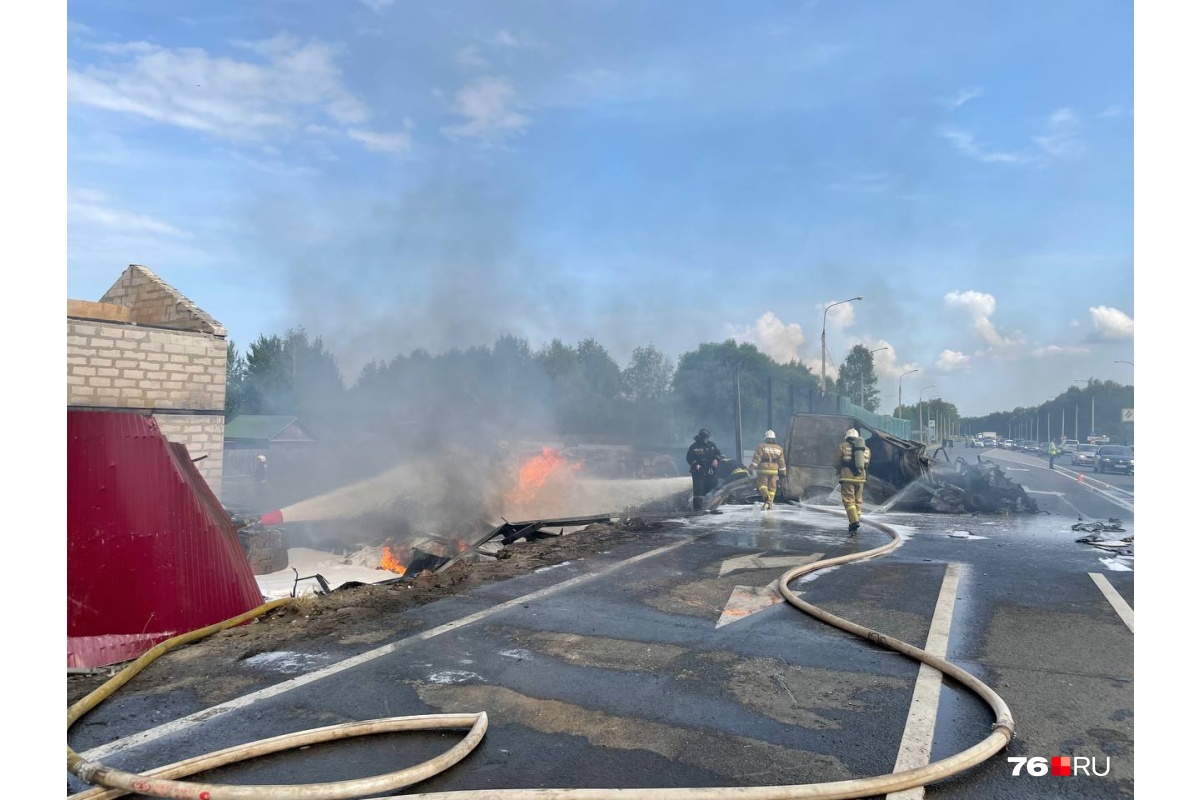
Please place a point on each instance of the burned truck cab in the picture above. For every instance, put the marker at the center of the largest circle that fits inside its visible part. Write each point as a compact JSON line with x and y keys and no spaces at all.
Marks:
{"x":810,"y":447}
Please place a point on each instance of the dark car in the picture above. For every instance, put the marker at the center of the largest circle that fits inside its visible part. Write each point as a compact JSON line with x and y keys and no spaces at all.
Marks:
{"x":1113,"y":458}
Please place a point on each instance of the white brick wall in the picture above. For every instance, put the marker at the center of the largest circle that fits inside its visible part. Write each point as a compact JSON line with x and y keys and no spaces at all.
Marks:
{"x":121,"y":365}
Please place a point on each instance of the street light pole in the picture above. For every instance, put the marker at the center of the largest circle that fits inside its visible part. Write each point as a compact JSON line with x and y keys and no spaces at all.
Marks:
{"x":900,"y":392}
{"x":831,"y":305}
{"x":862,"y":395}
{"x":1088,"y":383}
{"x":920,"y":411}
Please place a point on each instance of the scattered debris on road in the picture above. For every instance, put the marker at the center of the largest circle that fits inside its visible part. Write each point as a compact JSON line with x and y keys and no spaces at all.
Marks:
{"x":982,"y":488}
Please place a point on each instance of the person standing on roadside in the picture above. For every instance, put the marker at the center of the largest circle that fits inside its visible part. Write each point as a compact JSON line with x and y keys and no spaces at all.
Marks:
{"x":702,"y":458}
{"x":1052,"y":451}
{"x":768,"y":464}
{"x":852,"y":459}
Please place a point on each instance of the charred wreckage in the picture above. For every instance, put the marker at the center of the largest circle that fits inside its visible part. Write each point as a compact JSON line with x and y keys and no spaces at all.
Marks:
{"x":903,"y":476}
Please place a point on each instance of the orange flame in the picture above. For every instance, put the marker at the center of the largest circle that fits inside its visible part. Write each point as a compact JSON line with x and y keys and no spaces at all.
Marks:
{"x":536,"y":471}
{"x":391,"y":560}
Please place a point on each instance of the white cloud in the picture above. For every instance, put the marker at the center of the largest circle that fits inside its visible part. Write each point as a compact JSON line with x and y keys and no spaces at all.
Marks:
{"x":381,"y":142}
{"x":887,"y":364}
{"x":470,"y":56}
{"x":980,"y":306}
{"x":964,"y":142}
{"x":963,"y":97}
{"x":506,"y":39}
{"x":378,"y":6}
{"x":1054,"y":351}
{"x":838,"y":317}
{"x":953,"y":361}
{"x":87,"y":207}
{"x":1111,"y":323}
{"x":489,"y":106}
{"x":781,"y":341}
{"x":191,"y":88}
{"x":1062,"y":136}
{"x":1074,"y":323}
{"x":1113,"y":111}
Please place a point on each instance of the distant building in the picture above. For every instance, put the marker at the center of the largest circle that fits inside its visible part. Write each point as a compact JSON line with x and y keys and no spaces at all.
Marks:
{"x":146,"y":349}
{"x":285,"y":443}
{"x":261,"y":431}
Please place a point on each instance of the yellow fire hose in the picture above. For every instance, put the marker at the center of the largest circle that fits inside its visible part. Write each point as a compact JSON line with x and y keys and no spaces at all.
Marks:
{"x":162,"y":782}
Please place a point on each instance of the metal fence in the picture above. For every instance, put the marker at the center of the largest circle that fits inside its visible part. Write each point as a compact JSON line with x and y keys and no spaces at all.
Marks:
{"x":831,"y":403}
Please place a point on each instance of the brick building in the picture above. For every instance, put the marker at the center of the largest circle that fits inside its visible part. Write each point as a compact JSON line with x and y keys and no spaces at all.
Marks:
{"x":145,"y":348}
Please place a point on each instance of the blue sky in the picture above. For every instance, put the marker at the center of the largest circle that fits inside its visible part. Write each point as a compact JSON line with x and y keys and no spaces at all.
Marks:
{"x":395,"y":175}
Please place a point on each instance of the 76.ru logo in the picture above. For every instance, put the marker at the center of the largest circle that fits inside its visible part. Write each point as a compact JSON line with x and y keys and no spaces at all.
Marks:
{"x":1058,"y":765}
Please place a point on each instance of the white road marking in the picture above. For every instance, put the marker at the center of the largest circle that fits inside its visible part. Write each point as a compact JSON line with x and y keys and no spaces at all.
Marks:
{"x":200,"y":717}
{"x":745,"y":601}
{"x":1115,"y":600}
{"x":917,"y":742}
{"x":757,"y":561}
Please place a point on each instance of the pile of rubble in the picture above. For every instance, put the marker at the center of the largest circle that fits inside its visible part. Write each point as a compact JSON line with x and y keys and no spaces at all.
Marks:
{"x":962,"y":488}
{"x":1096,"y":538}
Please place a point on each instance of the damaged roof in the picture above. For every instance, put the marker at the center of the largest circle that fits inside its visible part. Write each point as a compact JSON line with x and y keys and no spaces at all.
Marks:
{"x":265,"y":427}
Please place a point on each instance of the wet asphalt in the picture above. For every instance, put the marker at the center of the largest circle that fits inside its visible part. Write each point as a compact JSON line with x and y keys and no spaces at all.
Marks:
{"x":618,"y":675}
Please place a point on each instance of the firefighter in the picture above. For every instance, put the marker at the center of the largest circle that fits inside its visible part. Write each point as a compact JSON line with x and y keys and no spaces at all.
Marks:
{"x":768,"y":464}
{"x":260,"y":475}
{"x":853,"y":458}
{"x":702,"y":458}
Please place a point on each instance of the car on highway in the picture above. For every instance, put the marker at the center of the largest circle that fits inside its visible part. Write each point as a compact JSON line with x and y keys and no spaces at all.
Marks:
{"x":1029,"y":446}
{"x":1113,"y":458}
{"x":1068,"y":446}
{"x":1008,"y":444}
{"x":1084,"y":455}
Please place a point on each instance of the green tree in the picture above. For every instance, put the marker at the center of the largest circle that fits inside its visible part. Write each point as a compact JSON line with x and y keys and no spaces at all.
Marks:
{"x":292,"y":374}
{"x":648,"y":376}
{"x":599,"y":372}
{"x":704,"y":388}
{"x":267,"y":387}
{"x":235,"y":376}
{"x":857,"y":379}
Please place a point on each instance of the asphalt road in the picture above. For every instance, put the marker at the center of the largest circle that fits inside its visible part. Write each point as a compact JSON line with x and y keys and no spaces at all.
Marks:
{"x":620,"y":673}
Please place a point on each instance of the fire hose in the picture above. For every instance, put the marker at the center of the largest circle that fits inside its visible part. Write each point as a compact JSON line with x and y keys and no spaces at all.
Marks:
{"x":161,"y":782}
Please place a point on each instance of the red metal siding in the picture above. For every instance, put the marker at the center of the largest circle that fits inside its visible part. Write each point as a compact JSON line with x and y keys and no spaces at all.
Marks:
{"x":149,"y":548}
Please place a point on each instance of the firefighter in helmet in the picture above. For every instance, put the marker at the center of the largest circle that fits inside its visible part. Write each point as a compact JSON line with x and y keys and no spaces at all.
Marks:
{"x":702,"y":458}
{"x":260,"y":475}
{"x":768,"y":464}
{"x":852,"y":459}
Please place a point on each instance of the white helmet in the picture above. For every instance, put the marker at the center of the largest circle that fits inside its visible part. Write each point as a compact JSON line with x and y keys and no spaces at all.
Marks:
{"x":261,"y":457}
{"x":852,"y":434}
{"x":770,"y":434}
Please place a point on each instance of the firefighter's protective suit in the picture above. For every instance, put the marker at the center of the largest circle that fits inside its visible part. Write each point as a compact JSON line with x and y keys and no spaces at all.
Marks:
{"x":768,"y":464}
{"x":702,"y":459}
{"x":853,"y":458}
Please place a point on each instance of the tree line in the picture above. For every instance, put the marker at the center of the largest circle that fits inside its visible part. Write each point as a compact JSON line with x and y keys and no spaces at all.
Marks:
{"x":510,"y":390}
{"x":1071,"y":412}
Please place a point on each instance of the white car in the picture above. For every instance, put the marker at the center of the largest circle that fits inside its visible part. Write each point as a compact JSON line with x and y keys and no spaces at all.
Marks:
{"x":1084,"y":455}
